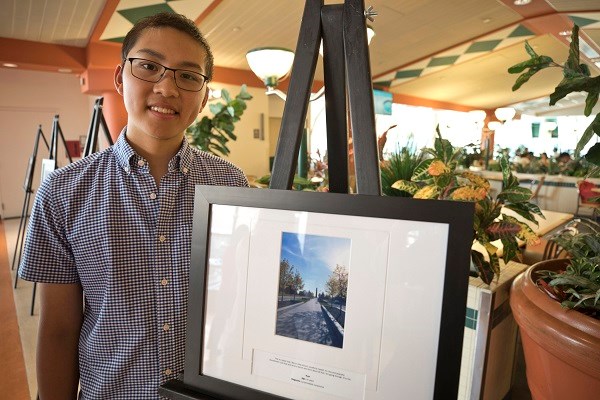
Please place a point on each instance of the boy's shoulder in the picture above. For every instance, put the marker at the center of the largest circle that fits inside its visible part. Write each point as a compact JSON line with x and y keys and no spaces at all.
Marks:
{"x":94,"y":163}
{"x":214,"y":161}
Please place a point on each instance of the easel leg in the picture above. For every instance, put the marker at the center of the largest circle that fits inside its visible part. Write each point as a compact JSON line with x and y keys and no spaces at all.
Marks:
{"x":296,"y":106}
{"x":33,"y":298}
{"x":360,"y":98}
{"x":21,"y":240}
{"x":22,"y":225}
{"x":335,"y":95}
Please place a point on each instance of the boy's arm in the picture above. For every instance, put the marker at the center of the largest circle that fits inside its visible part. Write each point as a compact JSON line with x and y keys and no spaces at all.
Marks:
{"x":61,"y":317}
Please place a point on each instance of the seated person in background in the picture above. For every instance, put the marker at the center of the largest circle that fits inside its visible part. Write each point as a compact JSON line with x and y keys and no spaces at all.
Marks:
{"x":564,"y":158}
{"x":524,"y":159}
{"x":544,"y":160}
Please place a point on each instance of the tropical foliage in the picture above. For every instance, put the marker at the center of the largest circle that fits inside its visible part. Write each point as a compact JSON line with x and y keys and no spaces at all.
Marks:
{"x":578,"y":285}
{"x":212,"y":134}
{"x":576,"y":78}
{"x":437,"y":177}
{"x":399,"y":165}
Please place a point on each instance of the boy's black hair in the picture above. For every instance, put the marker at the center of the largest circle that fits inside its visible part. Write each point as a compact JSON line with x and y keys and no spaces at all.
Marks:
{"x":168,"y":20}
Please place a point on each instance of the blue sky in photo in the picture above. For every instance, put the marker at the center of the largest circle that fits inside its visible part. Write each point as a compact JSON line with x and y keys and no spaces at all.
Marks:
{"x":315,"y":256}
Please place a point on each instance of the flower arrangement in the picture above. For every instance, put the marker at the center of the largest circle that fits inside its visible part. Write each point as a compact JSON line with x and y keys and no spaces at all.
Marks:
{"x":437,"y":177}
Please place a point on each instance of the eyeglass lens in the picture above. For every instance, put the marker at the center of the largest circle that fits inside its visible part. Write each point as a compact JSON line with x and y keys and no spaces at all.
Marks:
{"x":151,"y":71}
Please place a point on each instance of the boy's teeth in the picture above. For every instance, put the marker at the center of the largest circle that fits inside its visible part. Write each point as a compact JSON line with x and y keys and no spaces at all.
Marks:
{"x":162,"y":110}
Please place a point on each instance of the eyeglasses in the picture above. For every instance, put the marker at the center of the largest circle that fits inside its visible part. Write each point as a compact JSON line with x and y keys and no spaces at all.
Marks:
{"x":151,"y":71}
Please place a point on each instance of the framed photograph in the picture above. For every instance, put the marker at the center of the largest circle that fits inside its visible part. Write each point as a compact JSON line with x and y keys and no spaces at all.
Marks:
{"x":305,"y":295}
{"x":48,"y":165}
{"x":29,"y":174}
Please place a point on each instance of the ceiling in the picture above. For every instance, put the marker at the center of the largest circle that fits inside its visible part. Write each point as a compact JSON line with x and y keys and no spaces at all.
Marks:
{"x":446,"y":53}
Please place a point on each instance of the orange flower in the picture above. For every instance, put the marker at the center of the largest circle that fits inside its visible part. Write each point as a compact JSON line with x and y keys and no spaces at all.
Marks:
{"x":427,"y":192}
{"x":476,"y":179}
{"x":469,"y":193}
{"x":437,"y":168}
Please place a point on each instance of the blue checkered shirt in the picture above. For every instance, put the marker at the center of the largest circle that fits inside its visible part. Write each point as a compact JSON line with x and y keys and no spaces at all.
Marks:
{"x":103,"y":223}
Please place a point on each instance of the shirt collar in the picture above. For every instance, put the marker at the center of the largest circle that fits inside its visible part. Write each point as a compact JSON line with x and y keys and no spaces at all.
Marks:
{"x":125,"y":155}
{"x":182,"y":161}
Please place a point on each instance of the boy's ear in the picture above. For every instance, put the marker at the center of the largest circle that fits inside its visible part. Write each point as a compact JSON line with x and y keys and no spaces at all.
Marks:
{"x":118,"y":79}
{"x":204,"y":101}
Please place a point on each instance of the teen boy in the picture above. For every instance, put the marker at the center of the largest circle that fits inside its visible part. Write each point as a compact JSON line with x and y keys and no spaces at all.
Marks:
{"x":109,"y":237}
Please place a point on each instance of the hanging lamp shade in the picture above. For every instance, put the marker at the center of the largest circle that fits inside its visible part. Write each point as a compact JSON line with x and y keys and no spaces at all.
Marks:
{"x":270,"y":64}
{"x":494,"y":125}
{"x":505,"y":113}
{"x":370,"y":33}
{"x":477,"y":116}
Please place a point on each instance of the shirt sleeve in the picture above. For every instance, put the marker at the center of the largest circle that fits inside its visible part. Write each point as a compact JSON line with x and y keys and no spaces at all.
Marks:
{"x":47,"y":255}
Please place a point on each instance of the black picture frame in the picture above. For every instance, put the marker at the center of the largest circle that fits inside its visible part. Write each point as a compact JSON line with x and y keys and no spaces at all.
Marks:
{"x":457,"y":215}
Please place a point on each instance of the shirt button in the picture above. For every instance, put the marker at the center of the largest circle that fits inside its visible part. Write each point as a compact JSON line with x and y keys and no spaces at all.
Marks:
{"x":166,"y":327}
{"x":185,"y":170}
{"x":164,"y":282}
{"x":168,"y":371}
{"x":162,"y":238}
{"x":153,"y":196}
{"x":141,"y":163}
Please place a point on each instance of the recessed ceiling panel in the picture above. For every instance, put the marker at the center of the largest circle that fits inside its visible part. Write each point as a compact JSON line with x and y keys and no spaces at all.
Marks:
{"x":67,"y":22}
{"x":484,"y":82}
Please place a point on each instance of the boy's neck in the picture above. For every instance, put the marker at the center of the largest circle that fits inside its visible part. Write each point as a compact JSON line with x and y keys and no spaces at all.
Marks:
{"x":157,"y":153}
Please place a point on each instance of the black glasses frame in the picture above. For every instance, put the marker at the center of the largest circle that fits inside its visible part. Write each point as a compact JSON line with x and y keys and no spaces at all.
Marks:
{"x":132,"y":59}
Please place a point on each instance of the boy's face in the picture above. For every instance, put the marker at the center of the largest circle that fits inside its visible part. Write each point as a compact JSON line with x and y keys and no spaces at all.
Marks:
{"x":161,"y":110}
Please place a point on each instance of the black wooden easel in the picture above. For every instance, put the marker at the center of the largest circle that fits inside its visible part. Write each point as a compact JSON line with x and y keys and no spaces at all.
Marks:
{"x":52,"y":156}
{"x":347,"y":78}
{"x":91,"y":142}
{"x":27,"y":200}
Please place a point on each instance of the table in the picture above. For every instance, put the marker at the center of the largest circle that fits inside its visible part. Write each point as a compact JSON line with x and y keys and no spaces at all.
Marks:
{"x":553,"y":219}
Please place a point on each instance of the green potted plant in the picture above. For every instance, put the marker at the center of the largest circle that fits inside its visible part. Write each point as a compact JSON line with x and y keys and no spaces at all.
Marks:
{"x":437,"y":177}
{"x":399,"y":165}
{"x":556,"y":304}
{"x":212,"y":134}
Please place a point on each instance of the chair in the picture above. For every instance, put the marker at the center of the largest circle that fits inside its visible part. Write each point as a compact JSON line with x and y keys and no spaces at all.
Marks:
{"x":535,"y":185}
{"x":553,"y":251}
{"x":587,"y":196}
{"x":538,"y":186}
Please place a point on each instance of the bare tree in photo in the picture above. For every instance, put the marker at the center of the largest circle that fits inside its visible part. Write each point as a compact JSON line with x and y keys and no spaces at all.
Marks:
{"x":297,"y":283}
{"x":337,"y":284}
{"x":285,"y":276}
{"x":290,"y":280}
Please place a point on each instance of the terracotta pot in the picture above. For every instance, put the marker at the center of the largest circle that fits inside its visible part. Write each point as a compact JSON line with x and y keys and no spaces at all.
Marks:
{"x":561,"y":347}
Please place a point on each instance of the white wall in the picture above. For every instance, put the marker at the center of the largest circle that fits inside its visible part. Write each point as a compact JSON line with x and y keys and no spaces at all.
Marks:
{"x":29,"y":99}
